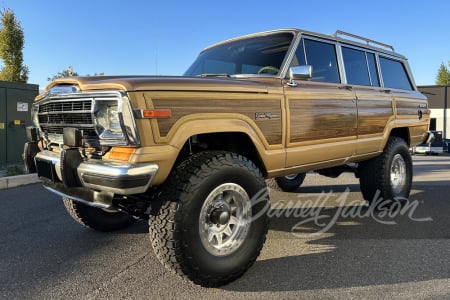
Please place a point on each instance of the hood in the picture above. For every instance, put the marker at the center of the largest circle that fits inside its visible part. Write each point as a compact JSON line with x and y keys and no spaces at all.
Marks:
{"x":163,"y":83}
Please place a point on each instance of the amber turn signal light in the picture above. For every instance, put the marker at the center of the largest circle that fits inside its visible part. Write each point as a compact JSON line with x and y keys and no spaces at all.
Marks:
{"x":121,"y":153}
{"x":153,"y":113}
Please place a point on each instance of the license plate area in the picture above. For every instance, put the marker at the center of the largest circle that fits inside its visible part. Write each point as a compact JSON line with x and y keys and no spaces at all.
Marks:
{"x":46,"y":169}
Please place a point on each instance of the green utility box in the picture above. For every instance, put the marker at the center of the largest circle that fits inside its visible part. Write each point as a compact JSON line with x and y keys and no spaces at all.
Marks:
{"x":15,"y":115}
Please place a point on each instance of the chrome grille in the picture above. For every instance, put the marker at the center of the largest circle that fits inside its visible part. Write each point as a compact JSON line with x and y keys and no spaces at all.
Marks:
{"x":54,"y":115}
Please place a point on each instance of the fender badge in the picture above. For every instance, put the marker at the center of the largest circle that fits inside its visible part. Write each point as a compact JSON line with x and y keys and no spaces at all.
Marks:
{"x":266,"y":115}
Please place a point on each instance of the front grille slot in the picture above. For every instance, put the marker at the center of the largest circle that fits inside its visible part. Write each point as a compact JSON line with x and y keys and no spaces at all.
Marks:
{"x":66,"y":106}
{"x":66,"y":118}
{"x":87,"y":132}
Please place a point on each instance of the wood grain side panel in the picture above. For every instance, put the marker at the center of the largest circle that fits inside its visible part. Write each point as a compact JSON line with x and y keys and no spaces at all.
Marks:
{"x":185,"y":104}
{"x":373,"y":116}
{"x":318,"y":119}
{"x":408,"y":108}
{"x":408,"y":104}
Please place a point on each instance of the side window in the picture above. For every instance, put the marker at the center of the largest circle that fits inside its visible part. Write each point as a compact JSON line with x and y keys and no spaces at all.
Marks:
{"x":355,"y":66}
{"x":394,"y":74}
{"x":373,"y":69}
{"x":322,"y":57}
{"x":360,"y":67}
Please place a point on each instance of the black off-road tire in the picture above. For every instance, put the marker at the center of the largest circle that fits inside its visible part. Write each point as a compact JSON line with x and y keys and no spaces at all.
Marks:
{"x":290,"y":183}
{"x":387,"y":177}
{"x":188,"y":240}
{"x":97,"y":218}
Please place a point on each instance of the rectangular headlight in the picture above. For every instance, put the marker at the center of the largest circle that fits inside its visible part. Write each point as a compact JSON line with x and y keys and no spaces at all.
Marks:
{"x":108,"y":120}
{"x":114,"y":122}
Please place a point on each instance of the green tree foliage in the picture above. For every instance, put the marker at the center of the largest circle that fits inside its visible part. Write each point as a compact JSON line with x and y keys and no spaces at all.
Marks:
{"x":69,"y":73}
{"x":11,"y":46}
{"x":443,"y":75}
{"x":65,"y":73}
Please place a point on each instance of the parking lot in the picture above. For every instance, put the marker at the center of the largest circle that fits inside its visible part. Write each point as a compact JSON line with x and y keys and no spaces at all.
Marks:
{"x":322,"y":243}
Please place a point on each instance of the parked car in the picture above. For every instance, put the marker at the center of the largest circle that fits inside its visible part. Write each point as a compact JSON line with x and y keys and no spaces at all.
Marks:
{"x":191,"y":154}
{"x":435,"y":147}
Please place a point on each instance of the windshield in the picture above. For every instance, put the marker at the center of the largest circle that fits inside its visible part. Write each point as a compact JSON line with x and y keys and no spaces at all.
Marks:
{"x":257,"y":55}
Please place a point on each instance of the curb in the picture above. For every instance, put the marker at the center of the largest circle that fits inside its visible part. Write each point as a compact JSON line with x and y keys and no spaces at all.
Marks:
{"x":13,"y":181}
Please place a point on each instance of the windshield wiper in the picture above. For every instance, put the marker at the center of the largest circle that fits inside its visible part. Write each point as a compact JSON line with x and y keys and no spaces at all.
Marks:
{"x":214,"y":75}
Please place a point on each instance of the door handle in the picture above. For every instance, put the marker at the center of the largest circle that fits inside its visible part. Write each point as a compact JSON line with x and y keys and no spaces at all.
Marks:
{"x":346,"y":87}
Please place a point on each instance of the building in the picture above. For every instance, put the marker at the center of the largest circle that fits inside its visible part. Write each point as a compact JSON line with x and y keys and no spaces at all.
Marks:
{"x":439,"y":101}
{"x":16,"y":100}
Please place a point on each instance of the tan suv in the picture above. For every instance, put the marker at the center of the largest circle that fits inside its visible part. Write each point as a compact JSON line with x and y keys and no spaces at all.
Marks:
{"x":191,"y":154}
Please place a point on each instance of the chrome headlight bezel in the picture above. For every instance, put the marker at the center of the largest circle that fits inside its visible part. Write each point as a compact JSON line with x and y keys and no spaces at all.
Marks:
{"x":108,"y":120}
{"x":118,"y":112}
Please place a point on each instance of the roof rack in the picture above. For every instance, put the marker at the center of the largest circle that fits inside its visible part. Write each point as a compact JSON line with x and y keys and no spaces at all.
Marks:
{"x":368,"y":41}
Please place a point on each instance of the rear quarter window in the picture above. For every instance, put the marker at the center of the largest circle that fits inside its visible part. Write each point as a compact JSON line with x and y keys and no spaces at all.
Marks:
{"x":394,"y":74}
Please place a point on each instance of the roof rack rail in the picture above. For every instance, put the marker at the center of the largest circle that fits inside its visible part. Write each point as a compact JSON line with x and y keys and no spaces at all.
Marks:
{"x":368,"y":41}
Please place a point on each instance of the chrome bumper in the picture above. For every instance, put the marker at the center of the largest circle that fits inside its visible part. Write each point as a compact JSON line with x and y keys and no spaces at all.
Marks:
{"x":99,"y":175}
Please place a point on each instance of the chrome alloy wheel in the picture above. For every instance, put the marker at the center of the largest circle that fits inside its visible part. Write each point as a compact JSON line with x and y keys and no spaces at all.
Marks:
{"x":225,"y":219}
{"x":398,"y":173}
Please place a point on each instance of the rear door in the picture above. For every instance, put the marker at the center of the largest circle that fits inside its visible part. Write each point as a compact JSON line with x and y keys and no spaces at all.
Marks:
{"x":374,"y":103}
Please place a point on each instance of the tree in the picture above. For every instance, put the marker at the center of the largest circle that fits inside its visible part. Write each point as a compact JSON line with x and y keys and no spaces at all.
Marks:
{"x":69,"y":73}
{"x":11,"y":46}
{"x":65,"y":73}
{"x":443,"y":75}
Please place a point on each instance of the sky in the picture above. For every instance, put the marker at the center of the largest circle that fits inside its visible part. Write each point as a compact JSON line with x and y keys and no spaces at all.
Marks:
{"x":153,"y":37}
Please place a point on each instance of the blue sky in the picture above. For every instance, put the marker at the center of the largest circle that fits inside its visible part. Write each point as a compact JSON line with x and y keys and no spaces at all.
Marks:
{"x":141,"y":37}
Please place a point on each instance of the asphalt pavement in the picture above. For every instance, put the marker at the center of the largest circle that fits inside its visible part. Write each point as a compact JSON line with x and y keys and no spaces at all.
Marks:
{"x":322,"y":243}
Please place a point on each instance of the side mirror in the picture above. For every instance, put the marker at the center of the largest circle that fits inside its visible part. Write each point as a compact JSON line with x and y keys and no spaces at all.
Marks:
{"x":299,"y":72}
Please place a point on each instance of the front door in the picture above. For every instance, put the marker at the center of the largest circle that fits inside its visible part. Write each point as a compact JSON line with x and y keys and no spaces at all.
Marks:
{"x":322,"y":123}
{"x":321,"y":112}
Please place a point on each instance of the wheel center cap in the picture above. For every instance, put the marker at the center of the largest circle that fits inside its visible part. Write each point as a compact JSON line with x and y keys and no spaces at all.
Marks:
{"x":220,"y":216}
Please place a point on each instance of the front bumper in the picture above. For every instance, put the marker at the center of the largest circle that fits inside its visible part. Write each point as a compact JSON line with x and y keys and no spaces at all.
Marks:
{"x":94,"y":182}
{"x":117,"y":178}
